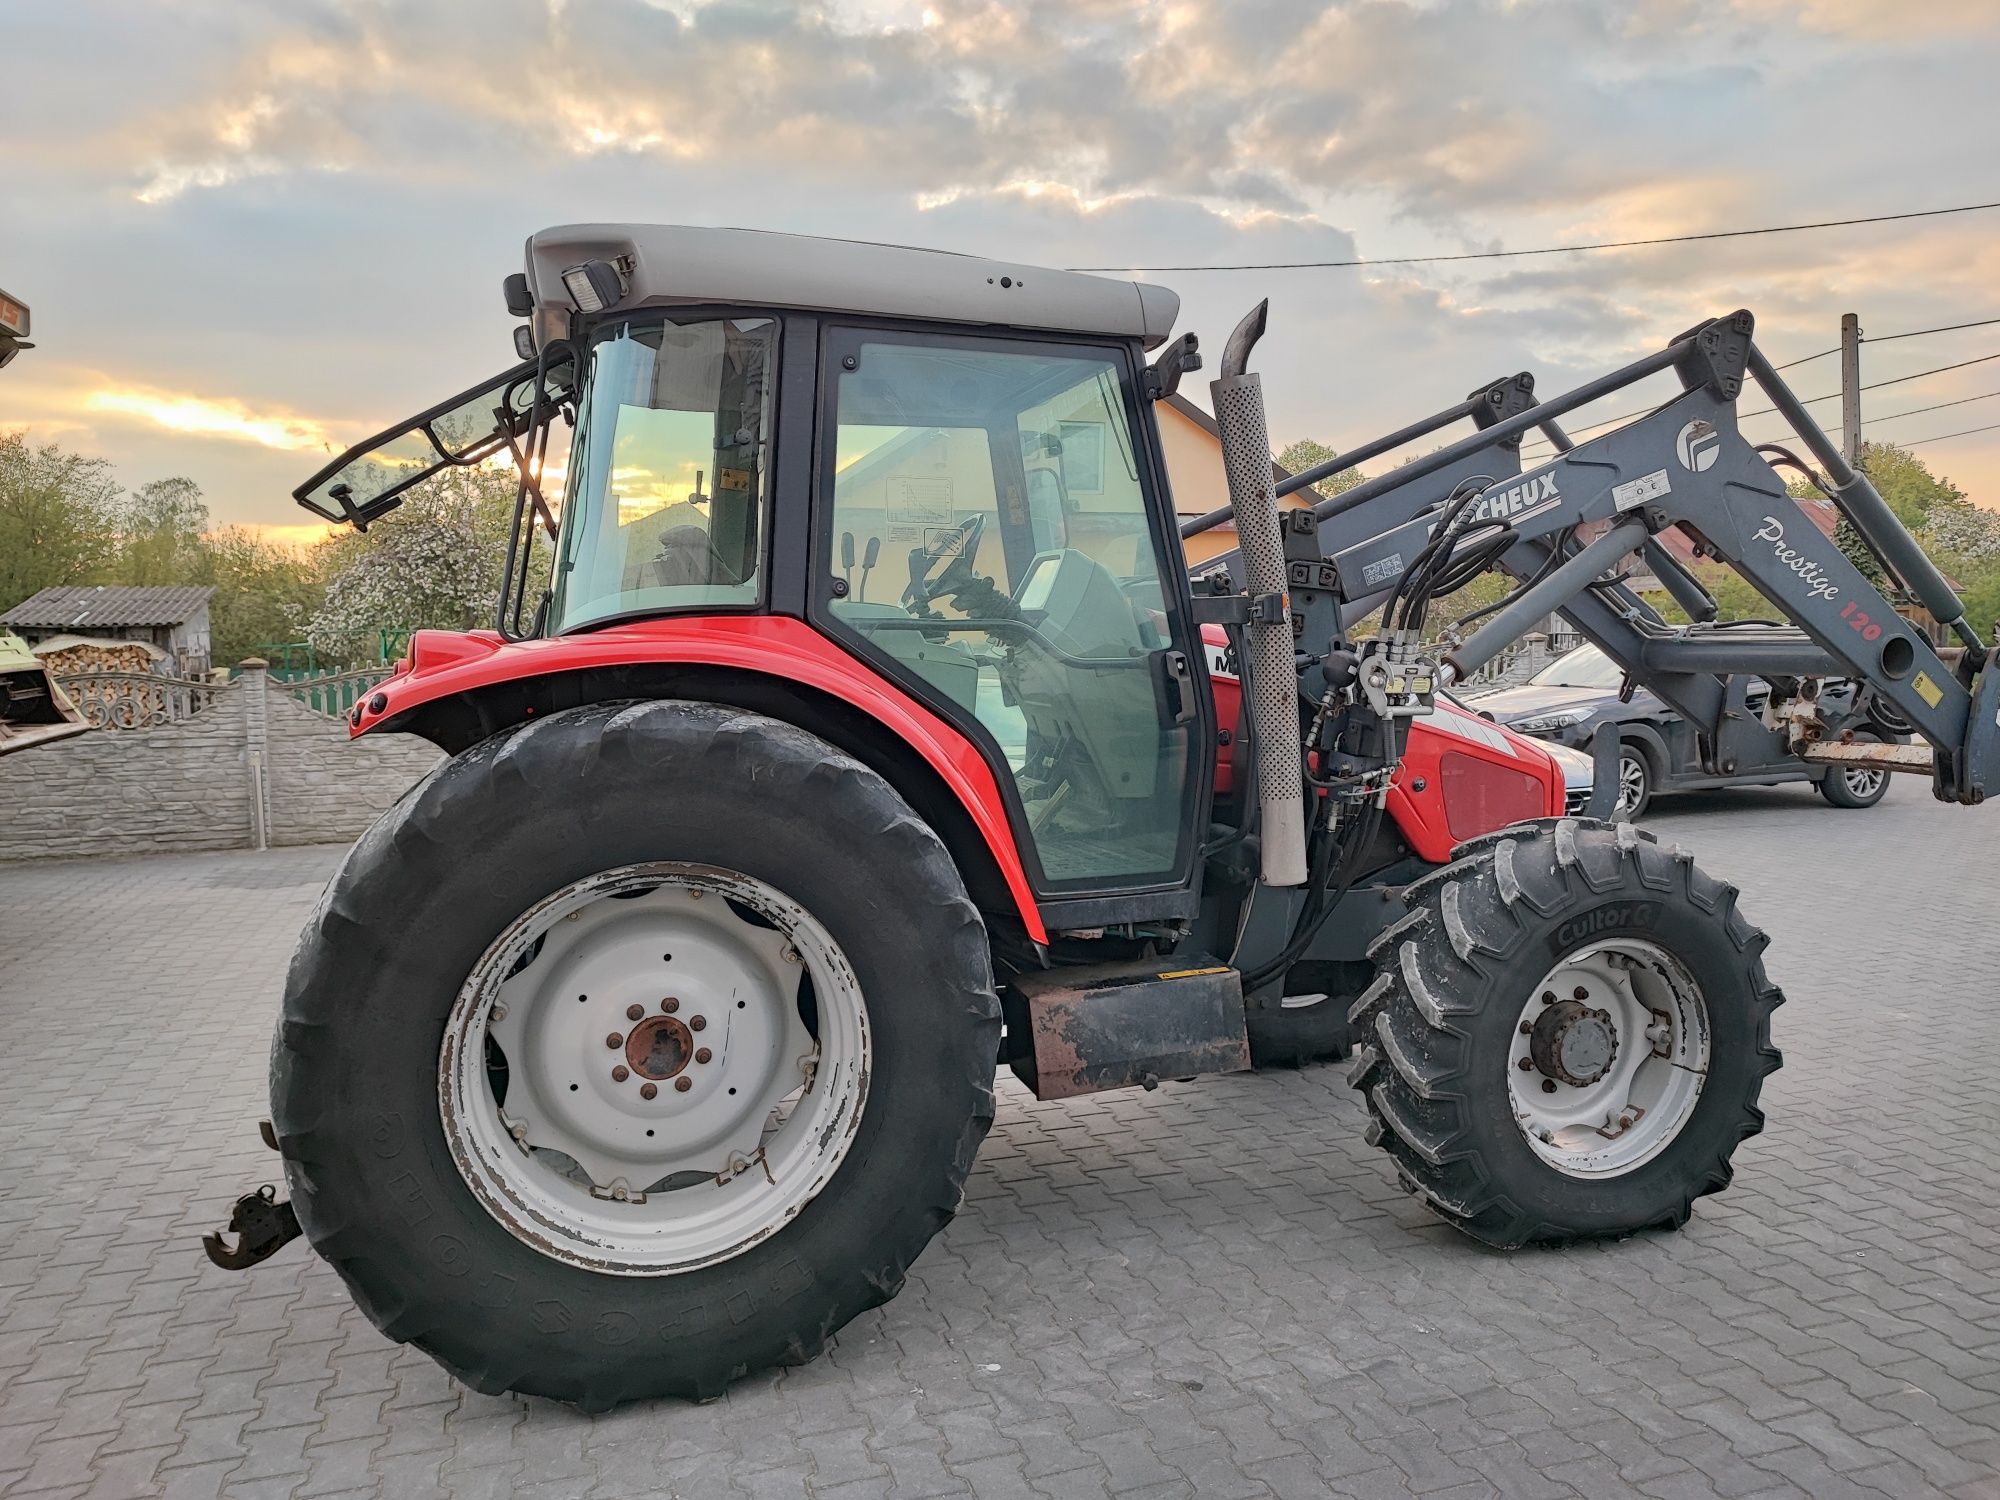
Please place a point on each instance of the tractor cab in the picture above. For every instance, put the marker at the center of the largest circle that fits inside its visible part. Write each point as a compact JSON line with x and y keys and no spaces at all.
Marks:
{"x":944,"y":466}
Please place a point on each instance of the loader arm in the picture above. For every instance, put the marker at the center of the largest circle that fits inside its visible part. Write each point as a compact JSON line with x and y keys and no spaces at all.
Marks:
{"x":1684,"y":465}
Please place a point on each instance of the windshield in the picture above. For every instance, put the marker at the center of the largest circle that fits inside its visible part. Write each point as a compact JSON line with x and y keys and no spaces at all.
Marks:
{"x":668,"y":471}
{"x":1585,"y":667}
{"x":473,"y":427}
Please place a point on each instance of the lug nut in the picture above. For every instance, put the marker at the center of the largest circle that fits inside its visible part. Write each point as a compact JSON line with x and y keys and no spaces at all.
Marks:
{"x":634,"y":1012}
{"x":618,"y":1074}
{"x":696,"y":1023}
{"x":1581,"y":993}
{"x":1548,"y":1085}
{"x":1548,"y":997}
{"x":614,"y":1040}
{"x":648,"y":1090}
{"x":683,"y":1084}
{"x":702,"y":1054}
{"x":1527,"y":1028}
{"x":670,"y":1005}
{"x":1527,"y":1063}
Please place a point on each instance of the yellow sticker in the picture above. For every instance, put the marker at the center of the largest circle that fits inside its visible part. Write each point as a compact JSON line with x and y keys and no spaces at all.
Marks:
{"x":1193,"y":973}
{"x":733,"y":479}
{"x":1927,"y":690}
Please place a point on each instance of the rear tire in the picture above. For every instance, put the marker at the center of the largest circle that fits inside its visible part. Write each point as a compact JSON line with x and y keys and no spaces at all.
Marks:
{"x":1457,"y":1075}
{"x":378,"y":1176}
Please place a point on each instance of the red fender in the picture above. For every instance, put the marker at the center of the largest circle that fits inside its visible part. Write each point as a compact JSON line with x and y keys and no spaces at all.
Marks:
{"x":443,"y":663}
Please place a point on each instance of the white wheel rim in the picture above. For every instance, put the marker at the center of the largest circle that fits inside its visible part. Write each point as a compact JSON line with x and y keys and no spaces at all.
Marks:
{"x":1631,"y":783}
{"x":577,"y":1162}
{"x":1641,"y":1001}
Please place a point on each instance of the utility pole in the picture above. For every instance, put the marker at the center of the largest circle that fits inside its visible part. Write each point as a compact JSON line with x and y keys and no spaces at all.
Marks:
{"x":1850,"y":388}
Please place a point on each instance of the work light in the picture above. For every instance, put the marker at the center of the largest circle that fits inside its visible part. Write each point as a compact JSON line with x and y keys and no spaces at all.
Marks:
{"x":593,"y":286}
{"x":13,"y":328}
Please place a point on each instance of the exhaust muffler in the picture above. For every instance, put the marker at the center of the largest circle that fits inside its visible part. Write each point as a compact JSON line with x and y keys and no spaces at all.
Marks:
{"x":1274,"y":716}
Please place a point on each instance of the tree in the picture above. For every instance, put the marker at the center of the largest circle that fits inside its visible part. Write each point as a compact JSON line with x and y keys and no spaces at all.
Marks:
{"x":162,"y":530}
{"x":434,"y":562}
{"x":1906,"y":482}
{"x":264,"y":593}
{"x":1303,"y":454}
{"x":57,"y":518}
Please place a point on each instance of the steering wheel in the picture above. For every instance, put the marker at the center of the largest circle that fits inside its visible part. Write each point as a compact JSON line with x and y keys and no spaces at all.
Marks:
{"x":959,"y":543}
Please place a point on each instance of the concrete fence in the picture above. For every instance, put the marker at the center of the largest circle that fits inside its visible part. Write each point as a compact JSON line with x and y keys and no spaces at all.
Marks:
{"x":252,"y":769}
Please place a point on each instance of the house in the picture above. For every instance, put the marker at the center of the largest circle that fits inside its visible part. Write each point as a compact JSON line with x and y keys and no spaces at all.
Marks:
{"x":173,"y":620}
{"x":1193,"y":450}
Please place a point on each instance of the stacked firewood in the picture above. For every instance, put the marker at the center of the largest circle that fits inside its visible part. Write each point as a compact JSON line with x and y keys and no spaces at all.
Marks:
{"x":72,"y":656}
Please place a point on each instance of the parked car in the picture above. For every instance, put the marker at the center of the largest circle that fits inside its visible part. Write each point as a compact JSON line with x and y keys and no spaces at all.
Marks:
{"x":1568,"y":699}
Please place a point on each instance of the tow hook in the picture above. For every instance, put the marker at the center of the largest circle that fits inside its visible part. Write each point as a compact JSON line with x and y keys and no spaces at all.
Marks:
{"x":264,"y":1226}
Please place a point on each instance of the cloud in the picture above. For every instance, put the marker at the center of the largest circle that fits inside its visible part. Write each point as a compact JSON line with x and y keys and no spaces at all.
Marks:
{"x":203,"y":416}
{"x":253,"y":213}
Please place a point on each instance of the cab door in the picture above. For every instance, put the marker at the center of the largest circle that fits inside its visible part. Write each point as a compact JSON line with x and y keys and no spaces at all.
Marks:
{"x":996,"y":535}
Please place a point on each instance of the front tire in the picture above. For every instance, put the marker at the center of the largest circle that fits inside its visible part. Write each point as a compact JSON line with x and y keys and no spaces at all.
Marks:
{"x":1310,"y":1023}
{"x":597,"y":1256}
{"x":1567,"y":1035}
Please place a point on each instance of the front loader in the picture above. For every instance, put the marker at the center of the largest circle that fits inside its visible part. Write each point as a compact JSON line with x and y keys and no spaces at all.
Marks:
{"x":651,"y":1037}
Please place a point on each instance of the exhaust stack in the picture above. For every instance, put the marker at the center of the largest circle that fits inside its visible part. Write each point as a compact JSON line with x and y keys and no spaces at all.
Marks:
{"x":1246,"y":459}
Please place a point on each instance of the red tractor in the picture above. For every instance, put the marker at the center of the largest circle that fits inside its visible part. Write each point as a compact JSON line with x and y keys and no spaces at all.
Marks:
{"x":852,"y":725}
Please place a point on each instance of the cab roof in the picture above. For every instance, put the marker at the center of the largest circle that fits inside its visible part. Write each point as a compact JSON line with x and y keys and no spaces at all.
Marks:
{"x":665,"y":265}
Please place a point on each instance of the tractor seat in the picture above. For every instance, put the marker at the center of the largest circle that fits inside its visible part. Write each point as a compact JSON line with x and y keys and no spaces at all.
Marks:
{"x":686,"y":556}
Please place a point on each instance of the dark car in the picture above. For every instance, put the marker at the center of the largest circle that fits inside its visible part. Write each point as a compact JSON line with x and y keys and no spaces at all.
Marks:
{"x":1567,"y":700}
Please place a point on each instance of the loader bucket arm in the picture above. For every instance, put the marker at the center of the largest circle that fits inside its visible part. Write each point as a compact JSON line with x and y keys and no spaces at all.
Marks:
{"x":1685,"y":465}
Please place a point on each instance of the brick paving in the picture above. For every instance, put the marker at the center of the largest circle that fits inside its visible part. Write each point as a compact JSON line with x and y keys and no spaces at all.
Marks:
{"x":1214,"y":1290}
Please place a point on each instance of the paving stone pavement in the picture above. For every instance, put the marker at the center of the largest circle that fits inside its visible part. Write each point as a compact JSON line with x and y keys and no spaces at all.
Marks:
{"x":1214,"y":1290}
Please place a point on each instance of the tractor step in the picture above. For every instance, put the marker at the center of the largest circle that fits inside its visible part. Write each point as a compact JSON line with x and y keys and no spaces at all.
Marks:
{"x":1113,"y":1026}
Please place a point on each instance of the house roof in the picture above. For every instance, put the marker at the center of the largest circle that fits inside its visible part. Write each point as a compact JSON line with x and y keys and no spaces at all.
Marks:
{"x":83,"y":607}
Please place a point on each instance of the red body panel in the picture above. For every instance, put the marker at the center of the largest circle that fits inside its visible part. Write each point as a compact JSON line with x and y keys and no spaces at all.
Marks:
{"x":443,"y":663}
{"x":1462,"y":775}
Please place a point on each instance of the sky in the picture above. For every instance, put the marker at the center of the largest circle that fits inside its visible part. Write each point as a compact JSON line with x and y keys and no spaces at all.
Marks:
{"x":252,"y":233}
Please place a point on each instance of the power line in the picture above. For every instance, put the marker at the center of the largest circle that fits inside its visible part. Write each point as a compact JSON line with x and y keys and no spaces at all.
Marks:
{"x":1666,"y":239}
{"x":1913,"y":411}
{"x":1920,"y":332}
{"x":1941,"y":437}
{"x":1765,"y":411}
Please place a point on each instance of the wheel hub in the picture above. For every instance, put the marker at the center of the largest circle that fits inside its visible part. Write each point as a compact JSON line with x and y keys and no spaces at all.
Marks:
{"x":1573,"y":1043}
{"x":630,"y":1081}
{"x":659,"y":1048}
{"x":1610,"y":1054}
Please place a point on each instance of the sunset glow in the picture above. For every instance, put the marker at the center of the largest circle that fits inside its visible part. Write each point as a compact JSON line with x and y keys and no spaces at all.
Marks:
{"x":203,"y":417}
